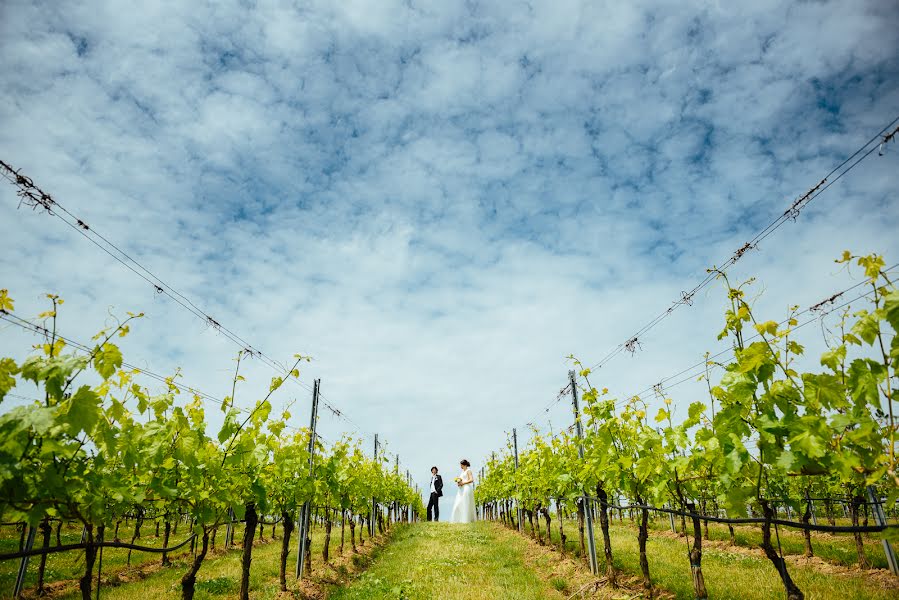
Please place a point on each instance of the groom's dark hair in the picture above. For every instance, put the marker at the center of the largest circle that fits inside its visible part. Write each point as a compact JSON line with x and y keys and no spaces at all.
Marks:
{"x":434,"y":469}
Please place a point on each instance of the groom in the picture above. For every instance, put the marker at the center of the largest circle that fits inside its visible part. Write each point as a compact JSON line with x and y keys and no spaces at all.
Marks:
{"x":436,"y":492}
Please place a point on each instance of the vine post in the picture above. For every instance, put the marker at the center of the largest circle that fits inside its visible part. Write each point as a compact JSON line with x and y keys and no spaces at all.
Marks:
{"x":588,"y":514}
{"x":880,"y":519}
{"x":23,"y":566}
{"x":515,"y":447}
{"x":374,"y":501}
{"x":307,"y":506}
{"x":408,"y":508}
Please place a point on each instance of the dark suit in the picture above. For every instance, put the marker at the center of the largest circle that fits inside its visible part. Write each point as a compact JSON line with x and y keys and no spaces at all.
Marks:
{"x":435,"y":495}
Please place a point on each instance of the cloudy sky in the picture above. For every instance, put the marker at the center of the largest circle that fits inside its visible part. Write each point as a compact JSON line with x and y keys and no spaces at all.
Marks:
{"x":438,"y":201}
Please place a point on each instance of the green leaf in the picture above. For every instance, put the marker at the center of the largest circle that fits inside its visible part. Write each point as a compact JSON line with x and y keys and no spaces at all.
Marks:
{"x":107,"y":360}
{"x":834,"y":357}
{"x":693,"y":413}
{"x":52,"y":372}
{"x":891,"y":309}
{"x":864,"y":375}
{"x":785,"y":461}
{"x":6,"y":303}
{"x":823,"y":391}
{"x":867,"y":327}
{"x":276,"y":383}
{"x":8,"y":368}
{"x":82,"y":410}
{"x":811,"y":445}
{"x":768,"y":327}
{"x":753,"y":358}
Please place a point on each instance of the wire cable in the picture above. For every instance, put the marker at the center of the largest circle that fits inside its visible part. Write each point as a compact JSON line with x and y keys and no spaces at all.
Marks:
{"x":34,"y":197}
{"x":885,"y":135}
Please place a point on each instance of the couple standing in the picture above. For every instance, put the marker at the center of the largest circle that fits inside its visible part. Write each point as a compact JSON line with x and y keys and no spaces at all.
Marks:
{"x":463,"y":506}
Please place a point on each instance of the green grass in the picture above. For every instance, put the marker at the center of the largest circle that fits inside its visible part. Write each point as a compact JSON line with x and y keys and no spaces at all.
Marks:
{"x":70,"y":565}
{"x":838,"y":549}
{"x":731,"y":574}
{"x":735,"y":575}
{"x":450,"y":562}
{"x":219,"y":577}
{"x":478,"y":561}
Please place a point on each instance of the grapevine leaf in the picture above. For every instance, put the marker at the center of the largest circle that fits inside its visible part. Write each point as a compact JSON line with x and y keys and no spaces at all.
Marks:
{"x":864,"y":375}
{"x":786,"y":460}
{"x":107,"y":360}
{"x":6,"y":303}
{"x":822,"y":391}
{"x":809,"y":443}
{"x":693,"y":413}
{"x":891,"y":309}
{"x":833,"y":358}
{"x":8,"y":369}
{"x":867,"y":327}
{"x":82,"y":410}
{"x":752,"y":358}
{"x":276,"y":383}
{"x":768,"y":327}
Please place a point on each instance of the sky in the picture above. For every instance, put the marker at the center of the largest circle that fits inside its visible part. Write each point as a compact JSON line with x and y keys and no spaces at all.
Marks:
{"x":439,"y":201}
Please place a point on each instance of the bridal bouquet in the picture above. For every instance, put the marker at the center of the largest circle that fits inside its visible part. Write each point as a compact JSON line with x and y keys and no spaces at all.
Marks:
{"x":458,"y":480}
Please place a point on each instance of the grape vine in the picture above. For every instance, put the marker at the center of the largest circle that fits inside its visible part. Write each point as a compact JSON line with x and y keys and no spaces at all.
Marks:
{"x":766,"y":433}
{"x":98,"y":451}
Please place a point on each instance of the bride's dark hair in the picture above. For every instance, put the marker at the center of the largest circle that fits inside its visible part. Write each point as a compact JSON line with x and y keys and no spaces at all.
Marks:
{"x":464,"y":462}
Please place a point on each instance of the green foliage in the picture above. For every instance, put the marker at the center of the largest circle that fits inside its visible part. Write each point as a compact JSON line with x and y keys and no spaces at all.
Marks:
{"x":94,"y":452}
{"x":765,"y":431}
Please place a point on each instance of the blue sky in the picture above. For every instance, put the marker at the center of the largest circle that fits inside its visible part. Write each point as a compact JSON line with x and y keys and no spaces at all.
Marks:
{"x":439,"y":201}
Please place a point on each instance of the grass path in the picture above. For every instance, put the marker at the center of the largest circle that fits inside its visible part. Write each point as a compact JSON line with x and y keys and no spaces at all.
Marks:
{"x":446,"y":561}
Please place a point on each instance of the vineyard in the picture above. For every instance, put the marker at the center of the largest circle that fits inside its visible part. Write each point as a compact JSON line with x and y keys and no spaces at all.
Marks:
{"x":769,"y":446}
{"x":107,"y":453}
{"x":439,"y":200}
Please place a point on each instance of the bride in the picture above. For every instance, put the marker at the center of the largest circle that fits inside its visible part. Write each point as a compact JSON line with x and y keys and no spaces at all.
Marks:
{"x":463,"y":507}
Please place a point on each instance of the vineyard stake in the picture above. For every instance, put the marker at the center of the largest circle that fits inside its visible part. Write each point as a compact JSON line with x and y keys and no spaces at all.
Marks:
{"x":396,"y":505}
{"x":229,"y":530}
{"x":23,"y":566}
{"x":408,"y":508}
{"x":374,"y":501}
{"x":307,"y":506}
{"x":515,"y":446}
{"x":880,"y":519}
{"x":591,"y":543}
{"x":811,"y":508}
{"x":99,"y":566}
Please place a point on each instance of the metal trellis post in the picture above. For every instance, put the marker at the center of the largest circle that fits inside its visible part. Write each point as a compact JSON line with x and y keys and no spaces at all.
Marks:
{"x":23,"y":566}
{"x":588,"y":514}
{"x":515,"y":447}
{"x":374,"y":501}
{"x":307,"y":506}
{"x":408,"y":508}
{"x":880,"y":519}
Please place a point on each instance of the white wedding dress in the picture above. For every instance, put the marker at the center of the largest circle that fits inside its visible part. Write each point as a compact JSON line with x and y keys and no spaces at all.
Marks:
{"x":463,"y":506}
